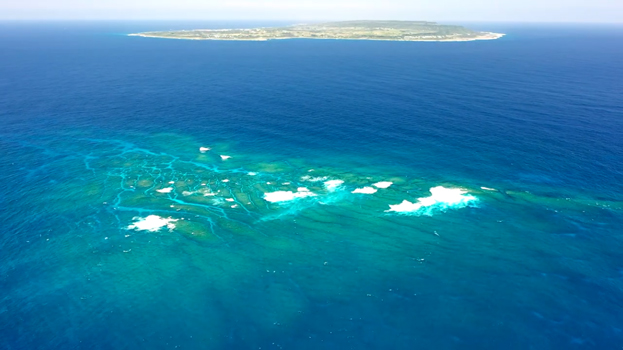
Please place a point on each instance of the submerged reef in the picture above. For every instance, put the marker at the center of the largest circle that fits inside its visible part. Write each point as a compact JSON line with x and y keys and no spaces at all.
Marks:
{"x":172,"y":193}
{"x":205,"y":195}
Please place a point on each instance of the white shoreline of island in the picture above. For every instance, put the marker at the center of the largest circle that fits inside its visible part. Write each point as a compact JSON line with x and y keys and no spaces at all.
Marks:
{"x":487,"y":36}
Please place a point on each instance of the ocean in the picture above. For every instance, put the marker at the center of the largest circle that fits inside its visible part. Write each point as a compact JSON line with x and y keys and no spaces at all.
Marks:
{"x":310,"y":194}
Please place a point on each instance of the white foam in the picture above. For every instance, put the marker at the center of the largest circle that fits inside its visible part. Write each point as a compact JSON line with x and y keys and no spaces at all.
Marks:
{"x":225,"y":180}
{"x":488,"y":189}
{"x":251,"y":173}
{"x":225,"y":157}
{"x":365,"y":190}
{"x":284,"y":196}
{"x":405,"y":206}
{"x":229,"y":199}
{"x":204,"y":149}
{"x":383,"y":184}
{"x":165,"y":190}
{"x":332,"y":185}
{"x":314,"y":179}
{"x":440,"y":198}
{"x":218,"y":200}
{"x":187,"y":193}
{"x":171,"y":182}
{"x":152,"y":223}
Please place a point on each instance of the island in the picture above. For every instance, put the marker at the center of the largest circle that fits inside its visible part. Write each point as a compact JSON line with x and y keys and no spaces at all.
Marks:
{"x":345,"y":30}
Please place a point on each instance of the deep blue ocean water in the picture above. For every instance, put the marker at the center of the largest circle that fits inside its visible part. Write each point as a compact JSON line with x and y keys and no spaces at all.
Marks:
{"x":99,"y":131}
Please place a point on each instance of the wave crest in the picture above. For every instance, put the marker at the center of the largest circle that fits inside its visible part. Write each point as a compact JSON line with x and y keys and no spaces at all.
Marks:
{"x":441,"y":198}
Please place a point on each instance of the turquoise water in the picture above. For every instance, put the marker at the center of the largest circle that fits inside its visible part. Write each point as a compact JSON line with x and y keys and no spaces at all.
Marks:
{"x":123,"y":230}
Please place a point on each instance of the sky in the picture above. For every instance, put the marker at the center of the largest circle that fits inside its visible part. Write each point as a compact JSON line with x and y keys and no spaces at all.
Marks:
{"x":606,"y":11}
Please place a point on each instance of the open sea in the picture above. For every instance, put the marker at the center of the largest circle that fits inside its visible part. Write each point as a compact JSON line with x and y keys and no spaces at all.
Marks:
{"x":310,"y":194}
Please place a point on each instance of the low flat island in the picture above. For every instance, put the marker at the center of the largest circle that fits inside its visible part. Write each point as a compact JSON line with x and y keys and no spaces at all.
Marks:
{"x":347,"y":30}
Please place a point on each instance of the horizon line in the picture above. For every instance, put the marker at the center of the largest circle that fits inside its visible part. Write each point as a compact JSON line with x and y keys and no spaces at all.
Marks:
{"x":285,"y":20}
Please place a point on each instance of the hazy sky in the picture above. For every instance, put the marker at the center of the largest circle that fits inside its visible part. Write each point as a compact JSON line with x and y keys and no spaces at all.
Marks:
{"x":435,"y":10}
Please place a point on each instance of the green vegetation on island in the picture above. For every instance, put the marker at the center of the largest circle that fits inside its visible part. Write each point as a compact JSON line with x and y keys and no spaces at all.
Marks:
{"x":349,"y":30}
